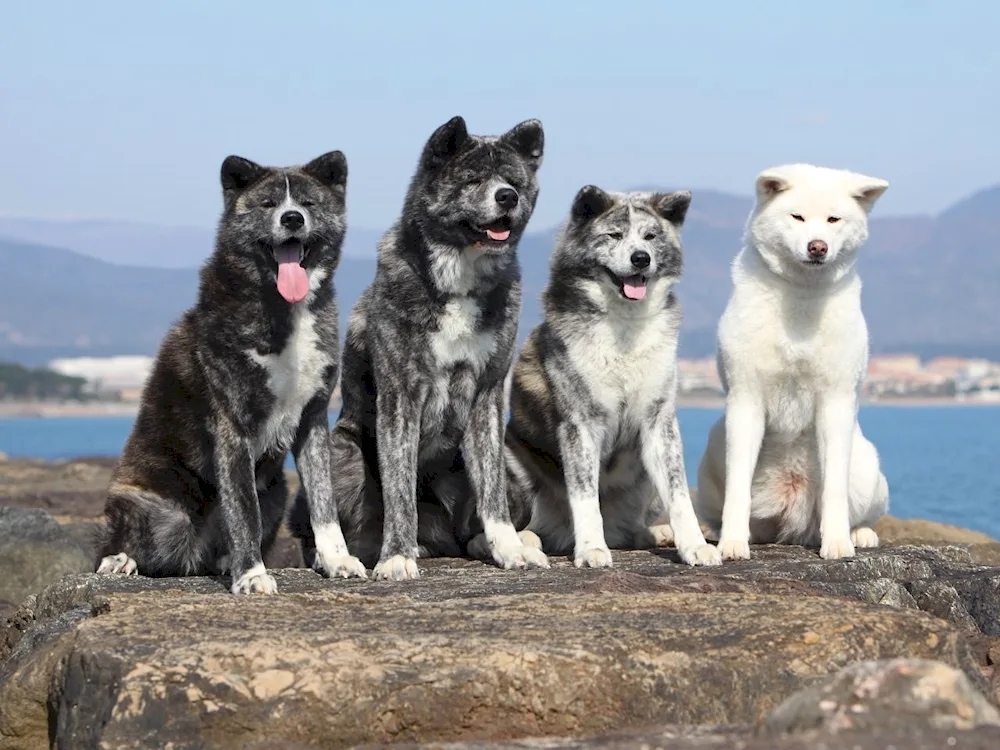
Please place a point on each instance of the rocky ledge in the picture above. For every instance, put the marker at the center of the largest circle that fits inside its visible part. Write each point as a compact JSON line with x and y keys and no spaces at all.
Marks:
{"x":651,"y":653}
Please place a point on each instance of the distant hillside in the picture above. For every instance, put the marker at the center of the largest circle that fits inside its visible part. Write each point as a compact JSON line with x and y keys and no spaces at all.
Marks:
{"x":20,"y":382}
{"x":57,"y":303}
{"x":137,"y":244}
{"x":931,"y":285}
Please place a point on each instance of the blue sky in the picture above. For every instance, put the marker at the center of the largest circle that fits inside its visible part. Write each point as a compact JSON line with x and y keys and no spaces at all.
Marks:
{"x":125,"y":110}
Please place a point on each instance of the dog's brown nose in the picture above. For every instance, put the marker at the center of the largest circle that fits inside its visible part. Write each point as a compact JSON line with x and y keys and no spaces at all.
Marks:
{"x":817,"y":249}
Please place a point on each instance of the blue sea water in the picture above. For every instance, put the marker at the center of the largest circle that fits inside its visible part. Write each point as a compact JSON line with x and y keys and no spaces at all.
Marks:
{"x":942,"y":462}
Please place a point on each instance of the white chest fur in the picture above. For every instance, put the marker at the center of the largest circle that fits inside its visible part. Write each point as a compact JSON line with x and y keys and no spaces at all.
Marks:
{"x":628,"y":363}
{"x":458,"y":341}
{"x":293,"y":376}
{"x":788,"y":347}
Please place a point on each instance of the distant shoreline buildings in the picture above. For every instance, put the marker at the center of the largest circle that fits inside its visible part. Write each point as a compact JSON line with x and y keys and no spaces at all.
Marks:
{"x":114,"y":384}
{"x":890,"y":377}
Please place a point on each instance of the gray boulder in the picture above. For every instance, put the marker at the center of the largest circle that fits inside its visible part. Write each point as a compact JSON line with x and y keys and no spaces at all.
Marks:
{"x":35,"y":551}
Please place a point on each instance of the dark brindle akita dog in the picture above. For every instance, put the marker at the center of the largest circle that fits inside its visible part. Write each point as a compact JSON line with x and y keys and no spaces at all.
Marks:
{"x":243,"y":377}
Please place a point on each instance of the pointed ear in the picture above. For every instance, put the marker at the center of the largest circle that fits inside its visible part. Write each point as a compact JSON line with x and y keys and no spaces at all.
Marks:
{"x":238,"y":174}
{"x":527,"y":139}
{"x":868,"y":190}
{"x":769,"y":184}
{"x":447,"y":140}
{"x":672,"y":206}
{"x":590,"y":203}
{"x":330,"y":169}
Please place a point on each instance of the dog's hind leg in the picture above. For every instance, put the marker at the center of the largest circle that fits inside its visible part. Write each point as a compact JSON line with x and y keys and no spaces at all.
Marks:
{"x":869,"y":492}
{"x":312,"y":451}
{"x":273,"y":501}
{"x":708,"y":498}
{"x":146,"y":534}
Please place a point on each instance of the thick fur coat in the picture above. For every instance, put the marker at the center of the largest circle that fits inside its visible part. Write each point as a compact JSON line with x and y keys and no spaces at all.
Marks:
{"x":418,"y":448}
{"x":594,"y":452}
{"x":788,"y":463}
{"x":242,"y":378}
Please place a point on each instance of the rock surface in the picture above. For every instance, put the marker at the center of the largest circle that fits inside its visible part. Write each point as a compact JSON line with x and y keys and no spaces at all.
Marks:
{"x":650,"y":654}
{"x":880,"y":695}
{"x":35,"y":551}
{"x":893,"y":530}
{"x":471,"y":653}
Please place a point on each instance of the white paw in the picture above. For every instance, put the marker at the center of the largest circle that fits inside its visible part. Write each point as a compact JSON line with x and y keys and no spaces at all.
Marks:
{"x":517,"y":556}
{"x":396,"y":568}
{"x":836,"y":548}
{"x":703,"y":554}
{"x":255,"y":581}
{"x":734,"y":549}
{"x":529,"y":539}
{"x":598,"y":557}
{"x":120,"y":564}
{"x":340,"y":566}
{"x":864,"y":537}
{"x":663,"y":534}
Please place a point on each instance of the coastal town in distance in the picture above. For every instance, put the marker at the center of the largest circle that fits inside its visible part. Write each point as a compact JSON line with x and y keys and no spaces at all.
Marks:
{"x":99,"y":386}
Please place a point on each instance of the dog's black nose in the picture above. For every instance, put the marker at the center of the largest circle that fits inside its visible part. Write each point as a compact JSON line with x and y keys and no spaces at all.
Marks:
{"x":292,"y":220}
{"x":640,"y":259}
{"x":817,"y":249}
{"x":506,"y":197}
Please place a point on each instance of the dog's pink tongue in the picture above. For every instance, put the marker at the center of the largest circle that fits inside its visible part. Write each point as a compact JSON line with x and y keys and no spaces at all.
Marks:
{"x":500,"y":236}
{"x":293,"y":284}
{"x":635,"y":287}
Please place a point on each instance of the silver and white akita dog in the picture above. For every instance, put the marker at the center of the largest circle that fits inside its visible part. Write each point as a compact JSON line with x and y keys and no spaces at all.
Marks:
{"x":788,"y":462}
{"x":594,"y":453}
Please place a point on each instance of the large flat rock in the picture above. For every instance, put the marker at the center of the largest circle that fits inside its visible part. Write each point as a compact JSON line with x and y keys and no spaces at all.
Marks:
{"x":471,"y":653}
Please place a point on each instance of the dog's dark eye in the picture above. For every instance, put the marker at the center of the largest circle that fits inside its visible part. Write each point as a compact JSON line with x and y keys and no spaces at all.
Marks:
{"x":268,"y":203}
{"x":615,"y":235}
{"x":797,"y":217}
{"x":650,"y":236}
{"x":833,"y":219}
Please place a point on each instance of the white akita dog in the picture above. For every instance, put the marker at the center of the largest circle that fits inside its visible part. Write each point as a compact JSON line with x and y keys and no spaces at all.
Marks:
{"x":788,"y":462}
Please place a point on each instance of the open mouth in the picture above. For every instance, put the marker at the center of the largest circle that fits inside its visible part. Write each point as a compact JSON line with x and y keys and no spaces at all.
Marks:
{"x":293,"y":283}
{"x":814,"y":262}
{"x":631,"y":287}
{"x":494,"y":233}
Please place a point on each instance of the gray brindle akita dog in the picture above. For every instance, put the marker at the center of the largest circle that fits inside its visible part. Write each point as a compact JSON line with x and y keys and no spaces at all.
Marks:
{"x":594,"y":454}
{"x":244,"y":376}
{"x":429,"y":346}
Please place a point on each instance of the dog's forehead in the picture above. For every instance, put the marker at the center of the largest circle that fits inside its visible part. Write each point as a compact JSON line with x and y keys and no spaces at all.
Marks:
{"x":818,"y":196}
{"x":300,"y":183}
{"x":628,"y":209}
{"x":485,"y":153}
{"x":273,"y":181}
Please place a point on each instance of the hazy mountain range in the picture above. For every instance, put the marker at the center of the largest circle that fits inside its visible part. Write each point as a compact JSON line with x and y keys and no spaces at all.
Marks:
{"x":98,"y":288}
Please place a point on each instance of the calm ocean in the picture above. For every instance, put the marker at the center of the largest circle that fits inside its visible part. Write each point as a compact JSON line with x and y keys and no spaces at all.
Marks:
{"x":943,"y":463}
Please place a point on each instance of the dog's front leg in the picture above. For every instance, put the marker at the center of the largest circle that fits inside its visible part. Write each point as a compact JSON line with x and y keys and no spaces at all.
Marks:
{"x":663,"y":458}
{"x":483,"y":450}
{"x":397,"y":426}
{"x":836,"y":415}
{"x":312,"y":459}
{"x":240,"y":511}
{"x":580,"y":450}
{"x":744,"y":433}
